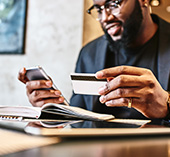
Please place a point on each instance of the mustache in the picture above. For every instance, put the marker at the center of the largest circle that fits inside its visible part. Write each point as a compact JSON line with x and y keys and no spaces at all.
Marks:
{"x":111,"y":24}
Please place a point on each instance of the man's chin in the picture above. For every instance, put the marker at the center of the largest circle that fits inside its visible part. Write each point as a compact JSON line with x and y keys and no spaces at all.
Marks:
{"x":116,"y":38}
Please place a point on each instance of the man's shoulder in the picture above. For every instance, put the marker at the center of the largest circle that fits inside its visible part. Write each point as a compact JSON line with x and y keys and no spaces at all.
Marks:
{"x":94,"y":43}
{"x":163,"y":24}
{"x":93,"y":50}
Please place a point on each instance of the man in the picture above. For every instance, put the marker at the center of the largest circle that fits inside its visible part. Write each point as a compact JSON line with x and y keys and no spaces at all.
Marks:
{"x":133,"y":38}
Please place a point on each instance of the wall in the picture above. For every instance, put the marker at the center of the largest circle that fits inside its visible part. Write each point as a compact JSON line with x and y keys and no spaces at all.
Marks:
{"x":53,"y":40}
{"x":91,"y":27}
{"x":163,"y":10}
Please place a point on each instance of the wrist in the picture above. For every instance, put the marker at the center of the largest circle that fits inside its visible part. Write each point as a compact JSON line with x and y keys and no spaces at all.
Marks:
{"x":168,"y":101}
{"x":168,"y":106}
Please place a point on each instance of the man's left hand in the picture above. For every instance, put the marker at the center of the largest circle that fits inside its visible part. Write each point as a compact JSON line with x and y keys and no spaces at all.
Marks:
{"x":139,"y":85}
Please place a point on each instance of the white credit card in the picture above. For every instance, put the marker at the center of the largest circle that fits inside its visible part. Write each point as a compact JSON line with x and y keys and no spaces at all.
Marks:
{"x":88,"y":84}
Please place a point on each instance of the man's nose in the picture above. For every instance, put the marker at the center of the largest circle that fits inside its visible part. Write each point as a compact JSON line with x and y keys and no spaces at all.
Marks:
{"x":106,"y":16}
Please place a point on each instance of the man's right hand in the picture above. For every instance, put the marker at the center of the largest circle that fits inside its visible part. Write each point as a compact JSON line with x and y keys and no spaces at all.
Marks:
{"x":37,"y":92}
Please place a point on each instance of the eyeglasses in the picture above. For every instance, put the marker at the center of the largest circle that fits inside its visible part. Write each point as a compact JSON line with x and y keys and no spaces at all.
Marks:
{"x":111,"y":7}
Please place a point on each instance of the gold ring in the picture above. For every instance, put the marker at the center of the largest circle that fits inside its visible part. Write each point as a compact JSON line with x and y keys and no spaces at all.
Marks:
{"x":130,"y":103}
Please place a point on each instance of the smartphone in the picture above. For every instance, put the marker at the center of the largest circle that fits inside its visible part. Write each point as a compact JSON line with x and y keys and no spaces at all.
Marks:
{"x":38,"y":73}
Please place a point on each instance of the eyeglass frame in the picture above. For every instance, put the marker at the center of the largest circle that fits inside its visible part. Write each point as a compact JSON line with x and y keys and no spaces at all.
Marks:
{"x":102,"y":7}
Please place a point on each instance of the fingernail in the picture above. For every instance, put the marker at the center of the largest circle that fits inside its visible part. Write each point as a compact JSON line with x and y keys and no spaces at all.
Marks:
{"x":61,"y":99}
{"x":57,"y":93}
{"x":48,"y":83}
{"x":99,"y":74}
{"x":102,"y":99}
{"x":108,"y":103}
{"x":22,"y":70}
{"x":101,"y":90}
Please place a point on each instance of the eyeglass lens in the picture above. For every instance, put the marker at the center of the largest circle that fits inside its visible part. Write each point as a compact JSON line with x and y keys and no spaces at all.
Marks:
{"x":110,"y":8}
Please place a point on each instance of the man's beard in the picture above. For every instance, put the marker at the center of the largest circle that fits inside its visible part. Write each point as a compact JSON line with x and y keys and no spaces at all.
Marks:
{"x":131,"y":29}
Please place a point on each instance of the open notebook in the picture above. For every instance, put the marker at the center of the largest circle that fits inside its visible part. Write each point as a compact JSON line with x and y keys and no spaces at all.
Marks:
{"x":50,"y":111}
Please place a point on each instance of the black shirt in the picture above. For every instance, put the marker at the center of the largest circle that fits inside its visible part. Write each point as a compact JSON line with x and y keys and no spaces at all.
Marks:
{"x":144,"y":56}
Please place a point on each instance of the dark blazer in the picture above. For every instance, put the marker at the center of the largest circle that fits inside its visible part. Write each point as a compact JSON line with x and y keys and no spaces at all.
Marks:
{"x":92,"y":58}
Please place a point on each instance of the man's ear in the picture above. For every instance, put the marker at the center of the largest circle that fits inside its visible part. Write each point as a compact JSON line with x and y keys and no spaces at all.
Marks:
{"x":144,"y":3}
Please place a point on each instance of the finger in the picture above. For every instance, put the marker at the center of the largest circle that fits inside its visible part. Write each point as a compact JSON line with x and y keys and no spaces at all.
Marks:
{"x":115,"y":71}
{"x":122,"y":81}
{"x":121,"y":93}
{"x":43,"y":94}
{"x":41,"y":102}
{"x":109,"y":79}
{"x":135,"y":103}
{"x":37,"y":84}
{"x":22,"y":75}
{"x":123,"y":102}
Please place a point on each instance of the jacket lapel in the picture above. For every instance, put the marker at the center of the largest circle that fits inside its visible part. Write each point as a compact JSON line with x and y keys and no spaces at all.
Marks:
{"x":101,"y":54}
{"x":164,"y":54}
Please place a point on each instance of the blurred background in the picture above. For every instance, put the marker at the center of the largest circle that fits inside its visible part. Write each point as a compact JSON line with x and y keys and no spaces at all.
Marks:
{"x":55,"y":32}
{"x":53,"y":39}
